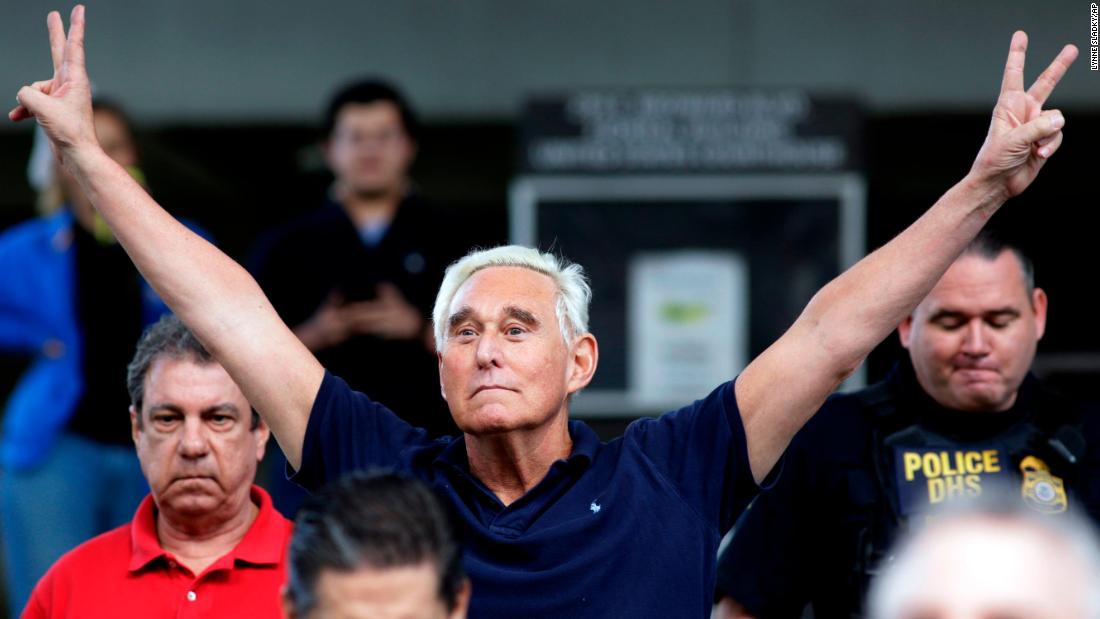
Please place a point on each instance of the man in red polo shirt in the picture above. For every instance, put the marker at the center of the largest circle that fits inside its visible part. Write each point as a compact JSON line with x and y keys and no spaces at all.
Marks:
{"x":206,"y":542}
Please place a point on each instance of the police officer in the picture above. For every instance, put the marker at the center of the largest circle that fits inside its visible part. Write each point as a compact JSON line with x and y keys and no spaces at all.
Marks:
{"x":962,"y":415}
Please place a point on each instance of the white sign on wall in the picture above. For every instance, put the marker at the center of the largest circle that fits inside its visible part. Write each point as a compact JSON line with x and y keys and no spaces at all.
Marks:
{"x":688,"y":324}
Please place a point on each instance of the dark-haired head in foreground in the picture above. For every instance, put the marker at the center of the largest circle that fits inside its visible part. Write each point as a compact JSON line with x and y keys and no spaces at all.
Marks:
{"x":375,"y":545}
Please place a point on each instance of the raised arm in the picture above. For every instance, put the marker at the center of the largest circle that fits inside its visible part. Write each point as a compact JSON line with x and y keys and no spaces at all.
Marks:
{"x":211,"y":293}
{"x":847,"y":318}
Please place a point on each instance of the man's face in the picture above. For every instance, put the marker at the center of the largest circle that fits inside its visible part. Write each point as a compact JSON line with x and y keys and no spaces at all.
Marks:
{"x":369,"y":151}
{"x":404,"y":592}
{"x":195,"y":443}
{"x":973,"y":338}
{"x":504,"y":364}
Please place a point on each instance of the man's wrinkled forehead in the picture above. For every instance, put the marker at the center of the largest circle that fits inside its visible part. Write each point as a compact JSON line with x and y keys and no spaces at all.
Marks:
{"x":192,"y":379}
{"x":503,"y":287}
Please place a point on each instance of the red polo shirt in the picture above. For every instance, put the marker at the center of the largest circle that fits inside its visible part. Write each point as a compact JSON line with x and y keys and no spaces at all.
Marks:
{"x":125,"y":573}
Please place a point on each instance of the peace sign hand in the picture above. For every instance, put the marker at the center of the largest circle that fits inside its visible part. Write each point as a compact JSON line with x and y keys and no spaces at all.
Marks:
{"x":62,"y":105}
{"x":1022,"y":136}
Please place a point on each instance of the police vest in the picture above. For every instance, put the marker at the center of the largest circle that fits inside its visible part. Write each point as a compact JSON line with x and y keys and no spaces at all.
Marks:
{"x":917,"y":468}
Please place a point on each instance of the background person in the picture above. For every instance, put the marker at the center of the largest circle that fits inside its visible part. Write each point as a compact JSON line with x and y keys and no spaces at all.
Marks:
{"x":356,"y":277}
{"x":70,"y":297}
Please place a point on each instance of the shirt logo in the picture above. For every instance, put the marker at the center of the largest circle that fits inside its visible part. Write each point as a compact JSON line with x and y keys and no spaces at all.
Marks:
{"x":595,"y":507}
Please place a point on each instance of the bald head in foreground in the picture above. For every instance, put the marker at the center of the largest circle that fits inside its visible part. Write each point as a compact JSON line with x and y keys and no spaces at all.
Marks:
{"x":993,"y":561}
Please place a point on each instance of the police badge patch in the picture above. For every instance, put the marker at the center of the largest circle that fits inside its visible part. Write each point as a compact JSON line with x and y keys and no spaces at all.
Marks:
{"x":1042,"y":491}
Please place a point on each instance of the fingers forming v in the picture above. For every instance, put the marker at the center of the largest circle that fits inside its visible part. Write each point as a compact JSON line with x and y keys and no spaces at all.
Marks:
{"x":1045,"y":83}
{"x":1014,"y":66}
{"x":66,"y":53}
{"x":57,"y":40}
{"x":74,"y":46}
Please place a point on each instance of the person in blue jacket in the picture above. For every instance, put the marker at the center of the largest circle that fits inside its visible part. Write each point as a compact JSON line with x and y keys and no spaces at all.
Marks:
{"x":71,"y":299}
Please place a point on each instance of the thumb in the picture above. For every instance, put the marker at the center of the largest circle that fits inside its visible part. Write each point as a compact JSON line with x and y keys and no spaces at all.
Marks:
{"x":35,"y":102}
{"x":1045,"y":125}
{"x":21,"y":112}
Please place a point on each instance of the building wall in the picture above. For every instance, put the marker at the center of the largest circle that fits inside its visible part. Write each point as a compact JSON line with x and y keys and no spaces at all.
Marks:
{"x":204,"y":60}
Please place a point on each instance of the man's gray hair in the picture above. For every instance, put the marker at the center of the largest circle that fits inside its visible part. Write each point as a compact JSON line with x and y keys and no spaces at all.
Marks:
{"x":1070,"y":537}
{"x":167,"y":337}
{"x":574,"y":292}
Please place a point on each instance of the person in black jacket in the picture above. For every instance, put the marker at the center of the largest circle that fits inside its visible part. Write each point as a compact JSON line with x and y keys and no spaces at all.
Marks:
{"x":356,"y":278}
{"x":961,"y":413}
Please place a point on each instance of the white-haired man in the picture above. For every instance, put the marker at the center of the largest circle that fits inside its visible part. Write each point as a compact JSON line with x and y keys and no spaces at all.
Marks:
{"x":558,"y":523}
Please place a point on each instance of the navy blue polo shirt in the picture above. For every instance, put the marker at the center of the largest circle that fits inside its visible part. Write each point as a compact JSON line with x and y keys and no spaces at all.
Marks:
{"x":625,"y":528}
